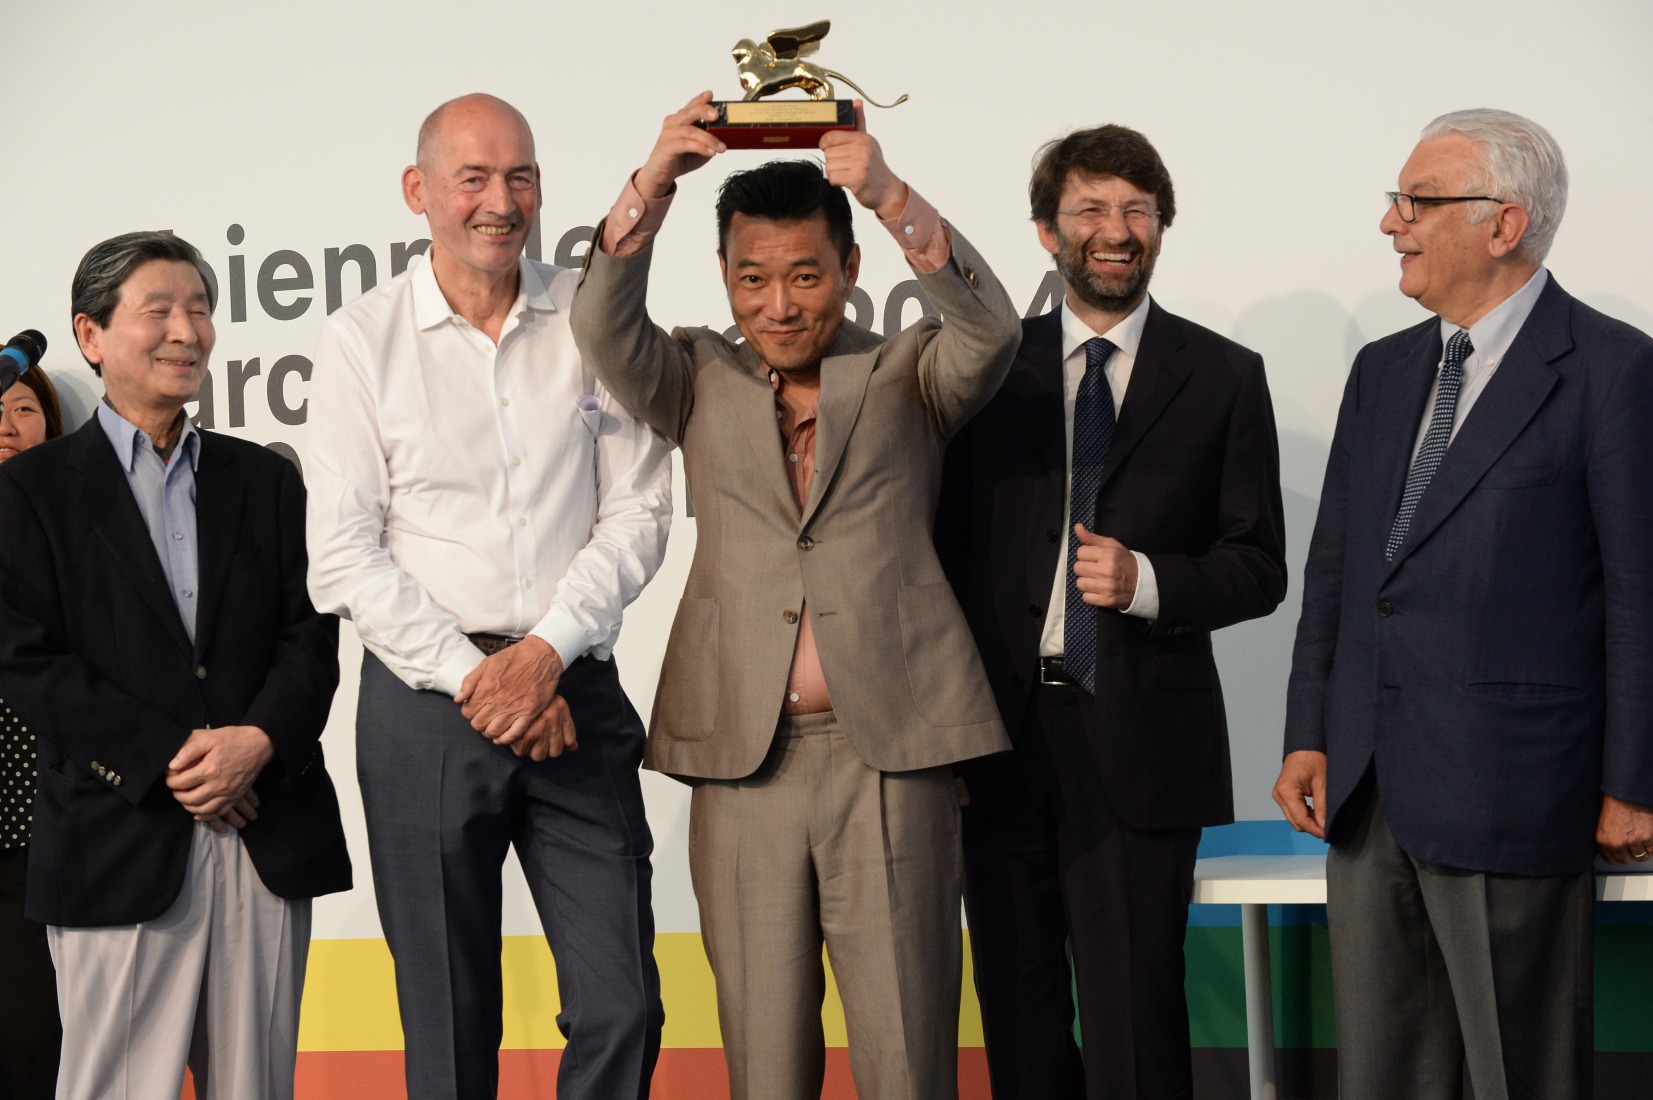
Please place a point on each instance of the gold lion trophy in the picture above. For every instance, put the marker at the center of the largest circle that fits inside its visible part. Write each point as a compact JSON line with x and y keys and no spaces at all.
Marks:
{"x":774,"y":66}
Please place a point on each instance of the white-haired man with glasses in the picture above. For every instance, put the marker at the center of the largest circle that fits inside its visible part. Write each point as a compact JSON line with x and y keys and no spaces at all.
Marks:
{"x":1469,"y":708}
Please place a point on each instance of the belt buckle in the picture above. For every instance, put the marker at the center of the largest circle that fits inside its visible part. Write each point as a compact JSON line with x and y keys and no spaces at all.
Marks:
{"x":1051,"y":673}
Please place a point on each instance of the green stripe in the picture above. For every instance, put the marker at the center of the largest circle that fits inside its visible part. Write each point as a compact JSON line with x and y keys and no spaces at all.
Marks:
{"x":1301,"y":973}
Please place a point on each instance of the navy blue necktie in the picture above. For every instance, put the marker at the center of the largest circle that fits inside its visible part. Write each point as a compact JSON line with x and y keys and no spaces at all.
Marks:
{"x":1093,"y":422}
{"x":1435,"y":438}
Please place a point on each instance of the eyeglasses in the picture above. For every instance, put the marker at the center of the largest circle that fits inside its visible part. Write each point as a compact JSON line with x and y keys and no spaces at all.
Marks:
{"x":1136,"y":215}
{"x":1407,"y":206}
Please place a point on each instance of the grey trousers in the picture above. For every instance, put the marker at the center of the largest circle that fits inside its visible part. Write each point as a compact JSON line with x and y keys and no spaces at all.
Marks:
{"x":816,"y":845}
{"x":1435,"y":968}
{"x":443,"y":806}
{"x":214,"y":981}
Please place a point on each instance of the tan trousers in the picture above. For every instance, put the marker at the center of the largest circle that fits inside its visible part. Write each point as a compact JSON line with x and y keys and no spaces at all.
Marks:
{"x":214,"y":981}
{"x":816,"y":845}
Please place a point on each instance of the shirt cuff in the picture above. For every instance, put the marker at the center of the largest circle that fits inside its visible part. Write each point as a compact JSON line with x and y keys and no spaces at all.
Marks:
{"x":450,"y":674}
{"x":1145,"y":604}
{"x":924,"y":238}
{"x":563,"y":633}
{"x":632,"y":222}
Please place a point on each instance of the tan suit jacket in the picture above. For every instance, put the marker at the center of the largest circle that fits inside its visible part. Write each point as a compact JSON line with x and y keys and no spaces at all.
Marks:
{"x":906,"y":682}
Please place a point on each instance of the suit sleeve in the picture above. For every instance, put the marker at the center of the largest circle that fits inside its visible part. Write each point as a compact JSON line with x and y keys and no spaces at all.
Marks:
{"x":963,"y":366}
{"x":1315,"y":650}
{"x":61,"y":695}
{"x":293,"y":704}
{"x":1243,"y":575}
{"x":1621,"y":506}
{"x":649,"y":371}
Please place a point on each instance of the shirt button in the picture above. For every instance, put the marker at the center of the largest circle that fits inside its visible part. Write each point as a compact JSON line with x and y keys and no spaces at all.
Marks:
{"x":504,"y":402}
{"x":189,"y":593}
{"x":632,"y":212}
{"x":793,"y":697}
{"x":516,"y":460}
{"x":789,"y":616}
{"x":522,"y":521}
{"x":909,"y":230}
{"x":177,"y":536}
{"x":527,"y":583}
{"x":792,"y":458}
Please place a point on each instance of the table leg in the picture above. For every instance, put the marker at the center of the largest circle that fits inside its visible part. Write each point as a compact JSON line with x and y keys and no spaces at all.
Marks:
{"x":1259,"y":1001}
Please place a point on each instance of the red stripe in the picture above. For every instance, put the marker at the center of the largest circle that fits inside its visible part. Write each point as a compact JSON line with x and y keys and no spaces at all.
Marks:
{"x":684,"y":1073}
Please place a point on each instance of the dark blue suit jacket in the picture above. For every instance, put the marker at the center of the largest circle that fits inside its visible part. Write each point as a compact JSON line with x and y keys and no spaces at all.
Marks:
{"x":1499,"y":670}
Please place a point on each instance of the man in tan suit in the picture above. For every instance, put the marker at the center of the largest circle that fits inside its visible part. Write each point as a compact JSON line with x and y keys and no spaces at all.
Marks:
{"x":820,"y":678}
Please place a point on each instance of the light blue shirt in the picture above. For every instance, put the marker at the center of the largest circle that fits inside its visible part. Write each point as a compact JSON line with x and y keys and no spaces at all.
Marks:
{"x":1491,"y":338}
{"x":165,"y":492}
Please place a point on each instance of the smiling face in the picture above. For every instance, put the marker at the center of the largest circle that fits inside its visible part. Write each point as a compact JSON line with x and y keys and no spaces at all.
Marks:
{"x":787,"y":288}
{"x":22,"y":420}
{"x":478,"y":187}
{"x":1106,"y":261}
{"x":1452,"y":266}
{"x":153,"y":353}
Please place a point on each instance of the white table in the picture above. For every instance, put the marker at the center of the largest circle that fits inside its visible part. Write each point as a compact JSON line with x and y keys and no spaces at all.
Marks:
{"x":1256,"y":882}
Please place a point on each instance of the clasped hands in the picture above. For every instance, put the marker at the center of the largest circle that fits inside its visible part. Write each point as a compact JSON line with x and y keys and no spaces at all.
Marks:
{"x":511,"y":699}
{"x":212,"y":774}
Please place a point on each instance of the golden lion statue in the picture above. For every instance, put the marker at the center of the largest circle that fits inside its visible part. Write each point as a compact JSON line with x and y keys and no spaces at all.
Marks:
{"x":778,"y":64}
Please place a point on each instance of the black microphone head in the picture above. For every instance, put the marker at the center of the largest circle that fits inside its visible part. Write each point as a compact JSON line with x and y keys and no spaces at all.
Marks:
{"x":31,"y":342}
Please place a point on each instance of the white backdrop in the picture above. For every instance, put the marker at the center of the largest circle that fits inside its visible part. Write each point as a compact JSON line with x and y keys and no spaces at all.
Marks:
{"x":270,"y":137}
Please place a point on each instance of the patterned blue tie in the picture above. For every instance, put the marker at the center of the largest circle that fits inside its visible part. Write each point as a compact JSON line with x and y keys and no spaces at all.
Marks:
{"x":1435,"y":439}
{"x":1093,"y":421}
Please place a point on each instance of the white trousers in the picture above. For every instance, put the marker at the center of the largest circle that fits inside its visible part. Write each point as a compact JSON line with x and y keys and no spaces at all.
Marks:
{"x":213,"y":982}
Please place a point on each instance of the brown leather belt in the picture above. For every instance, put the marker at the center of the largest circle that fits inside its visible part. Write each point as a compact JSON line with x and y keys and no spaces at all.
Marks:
{"x":491,"y":644}
{"x":1051,"y":673}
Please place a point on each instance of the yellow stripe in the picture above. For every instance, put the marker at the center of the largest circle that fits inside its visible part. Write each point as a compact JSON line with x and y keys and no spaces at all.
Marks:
{"x":350,"y":997}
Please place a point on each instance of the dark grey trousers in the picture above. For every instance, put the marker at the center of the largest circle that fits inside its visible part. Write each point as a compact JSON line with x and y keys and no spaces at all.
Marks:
{"x":443,"y":805}
{"x":1435,"y":969}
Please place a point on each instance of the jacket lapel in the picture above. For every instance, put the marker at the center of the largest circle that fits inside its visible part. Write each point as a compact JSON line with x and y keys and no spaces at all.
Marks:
{"x":219,"y":496}
{"x":1401,"y":392}
{"x":1513,"y":396}
{"x":752,"y":400}
{"x":1159,"y":373}
{"x":845,"y":372}
{"x":1035,"y":385}
{"x":114,"y":517}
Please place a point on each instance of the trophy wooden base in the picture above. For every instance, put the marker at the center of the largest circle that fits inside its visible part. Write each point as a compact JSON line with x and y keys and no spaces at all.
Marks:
{"x":780,"y":124}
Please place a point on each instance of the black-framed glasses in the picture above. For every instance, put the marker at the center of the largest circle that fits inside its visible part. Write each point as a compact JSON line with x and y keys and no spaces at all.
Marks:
{"x":1407,"y":206}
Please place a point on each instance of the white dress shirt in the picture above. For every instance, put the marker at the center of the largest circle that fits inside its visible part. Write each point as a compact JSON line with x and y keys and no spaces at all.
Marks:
{"x":456,"y":487}
{"x":1126,"y":336}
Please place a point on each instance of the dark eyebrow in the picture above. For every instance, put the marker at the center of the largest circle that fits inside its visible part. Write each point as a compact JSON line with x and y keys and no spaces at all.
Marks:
{"x":807,"y":261}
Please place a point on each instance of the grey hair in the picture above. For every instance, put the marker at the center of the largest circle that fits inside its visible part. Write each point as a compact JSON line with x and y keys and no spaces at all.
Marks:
{"x":1524,"y":166}
{"x":105,"y":268}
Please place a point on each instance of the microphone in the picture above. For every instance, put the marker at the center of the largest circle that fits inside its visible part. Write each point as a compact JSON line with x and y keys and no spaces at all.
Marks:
{"x":20,"y":353}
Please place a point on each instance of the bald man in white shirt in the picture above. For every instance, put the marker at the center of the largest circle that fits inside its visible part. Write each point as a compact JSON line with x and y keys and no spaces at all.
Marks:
{"x":483,"y":511}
